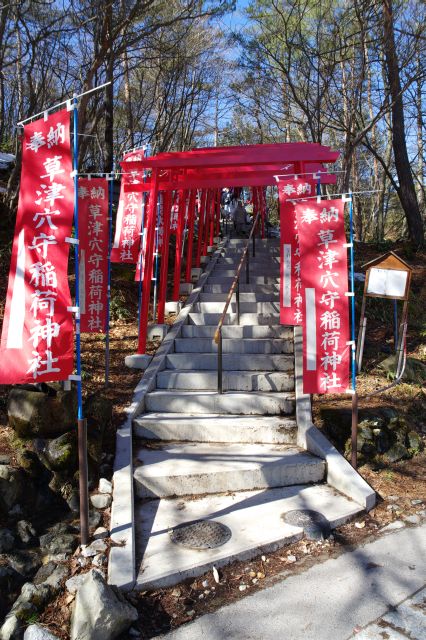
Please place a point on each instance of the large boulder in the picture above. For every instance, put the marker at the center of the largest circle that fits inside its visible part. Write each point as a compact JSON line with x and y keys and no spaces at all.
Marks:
{"x":415,"y":370}
{"x":13,"y":487}
{"x":100,"y":612}
{"x":46,"y":412}
{"x":61,"y":453}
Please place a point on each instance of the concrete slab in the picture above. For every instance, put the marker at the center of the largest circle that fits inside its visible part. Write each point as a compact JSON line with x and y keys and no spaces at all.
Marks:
{"x":329,"y":600}
{"x":238,"y":332}
{"x":229,"y":345}
{"x":138,"y":361}
{"x":157,"y":331}
{"x":251,"y":319}
{"x":255,"y":521}
{"x":197,"y":468}
{"x":216,"y":428}
{"x":234,"y":402}
{"x":185,"y":288}
{"x":261,"y":308}
{"x":231,"y":361}
{"x":196,"y":273}
{"x":264,"y":381}
{"x":251,"y":296}
{"x":172,"y":306}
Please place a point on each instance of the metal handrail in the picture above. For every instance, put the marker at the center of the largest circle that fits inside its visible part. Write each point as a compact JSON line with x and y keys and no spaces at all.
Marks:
{"x":235,"y":287}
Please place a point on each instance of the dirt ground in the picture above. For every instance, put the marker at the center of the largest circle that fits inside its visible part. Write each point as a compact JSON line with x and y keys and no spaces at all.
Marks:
{"x":400,"y":486}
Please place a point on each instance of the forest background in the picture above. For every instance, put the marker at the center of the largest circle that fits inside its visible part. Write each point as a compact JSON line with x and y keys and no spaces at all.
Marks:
{"x":188,"y":73}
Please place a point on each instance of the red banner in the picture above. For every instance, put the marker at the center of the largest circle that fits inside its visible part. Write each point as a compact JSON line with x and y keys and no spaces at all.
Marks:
{"x":37,"y":333}
{"x":324,"y":269}
{"x":291,"y":299}
{"x":126,"y":243}
{"x":93,"y":246}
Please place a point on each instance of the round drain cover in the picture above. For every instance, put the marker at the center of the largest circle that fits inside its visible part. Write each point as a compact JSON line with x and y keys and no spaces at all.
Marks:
{"x":204,"y":534}
{"x":314,"y":524}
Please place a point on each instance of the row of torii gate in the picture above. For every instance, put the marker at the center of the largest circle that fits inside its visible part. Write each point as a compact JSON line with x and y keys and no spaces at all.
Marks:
{"x":198,"y":177}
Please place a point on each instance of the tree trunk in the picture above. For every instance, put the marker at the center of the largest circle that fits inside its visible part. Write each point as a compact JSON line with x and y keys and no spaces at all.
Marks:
{"x":109,"y":98}
{"x":406,"y":190}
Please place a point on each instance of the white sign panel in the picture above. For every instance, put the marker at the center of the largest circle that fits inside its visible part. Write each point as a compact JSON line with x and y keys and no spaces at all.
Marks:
{"x":387,"y":282}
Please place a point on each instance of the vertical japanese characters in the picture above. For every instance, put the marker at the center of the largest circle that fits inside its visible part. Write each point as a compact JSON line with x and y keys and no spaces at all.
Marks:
{"x":291,"y":307}
{"x":93,"y":231}
{"x":323,"y":257}
{"x":127,"y":237}
{"x":37,"y":333}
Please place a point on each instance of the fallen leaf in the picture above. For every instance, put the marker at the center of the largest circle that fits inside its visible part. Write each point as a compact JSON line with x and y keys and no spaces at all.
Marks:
{"x":216,"y":575}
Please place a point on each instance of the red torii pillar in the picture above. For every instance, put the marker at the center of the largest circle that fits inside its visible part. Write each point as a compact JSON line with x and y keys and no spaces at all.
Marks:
{"x":149,"y":257}
{"x":179,"y":239}
{"x":201,"y":214}
{"x":162,"y":291}
{"x":191,"y":222}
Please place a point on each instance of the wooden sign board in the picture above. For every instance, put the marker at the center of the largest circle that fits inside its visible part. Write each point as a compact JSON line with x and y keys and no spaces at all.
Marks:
{"x":387,"y":277}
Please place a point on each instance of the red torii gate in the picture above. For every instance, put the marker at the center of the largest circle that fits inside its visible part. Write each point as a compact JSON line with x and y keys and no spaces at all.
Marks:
{"x":208,"y":171}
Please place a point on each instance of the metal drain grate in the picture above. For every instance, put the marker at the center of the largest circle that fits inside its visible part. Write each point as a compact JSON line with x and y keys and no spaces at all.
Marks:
{"x":204,"y":534}
{"x":314,"y":524}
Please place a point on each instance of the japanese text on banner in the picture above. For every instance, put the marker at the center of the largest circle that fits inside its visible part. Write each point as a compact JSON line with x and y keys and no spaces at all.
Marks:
{"x":93,"y":247}
{"x":37,"y":332}
{"x":326,"y":353}
{"x":291,"y":299}
{"x":126,"y":243}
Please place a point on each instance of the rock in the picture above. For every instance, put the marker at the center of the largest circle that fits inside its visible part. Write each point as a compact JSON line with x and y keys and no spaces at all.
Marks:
{"x":36,"y":632}
{"x":4,"y":459}
{"x":31,"y":600}
{"x":414,"y":441}
{"x":12,"y":487}
{"x":397,"y":452}
{"x":98,"y":411}
{"x":415,"y":370}
{"x":100,"y":613}
{"x":73,"y":501}
{"x":30,"y":461}
{"x":44,"y":572}
{"x":26,"y":532}
{"x":94,"y":518}
{"x":100,"y":560}
{"x":105,"y":486}
{"x":414,"y":519}
{"x":54,"y":543}
{"x":33,"y":413}
{"x":7,"y":540}
{"x":392,"y":526}
{"x":416,"y":501}
{"x":10,"y":585}
{"x":73,"y":584}
{"x":61,"y":453}
{"x":101,"y":500}
{"x":54,"y":581}
{"x":24,"y":562}
{"x":98,"y":546}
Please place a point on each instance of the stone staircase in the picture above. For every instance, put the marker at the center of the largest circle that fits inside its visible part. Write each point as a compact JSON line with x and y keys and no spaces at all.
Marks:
{"x":229,"y":457}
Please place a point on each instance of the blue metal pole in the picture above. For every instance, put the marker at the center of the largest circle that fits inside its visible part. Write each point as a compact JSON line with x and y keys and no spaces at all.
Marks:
{"x":77,"y":270}
{"x":156,"y":264}
{"x":110,"y":198}
{"x":82,"y":424}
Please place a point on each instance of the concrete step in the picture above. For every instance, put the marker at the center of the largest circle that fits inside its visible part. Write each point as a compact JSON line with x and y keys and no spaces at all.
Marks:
{"x":238,"y":332}
{"x":251,"y":296}
{"x":230,"y":345}
{"x":264,"y":381}
{"x":256,"y":260}
{"x":262,"y":308}
{"x":255,"y":520}
{"x":230,"y":361}
{"x":255,"y":402}
{"x":231,"y":318}
{"x":195,"y":468}
{"x":227,"y":281}
{"x":216,"y":428}
{"x":226,"y":272}
{"x":267,"y":289}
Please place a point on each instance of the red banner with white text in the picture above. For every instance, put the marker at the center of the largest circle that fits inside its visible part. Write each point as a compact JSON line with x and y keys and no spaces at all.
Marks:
{"x":93,"y":247}
{"x":37,"y":335}
{"x":291,"y":300}
{"x":326,"y":353}
{"x":126,"y":243}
